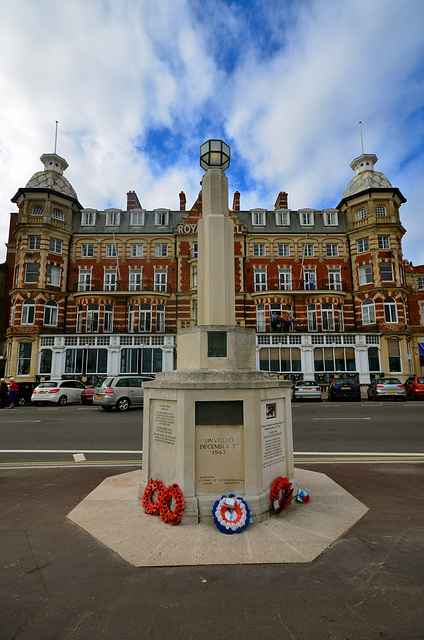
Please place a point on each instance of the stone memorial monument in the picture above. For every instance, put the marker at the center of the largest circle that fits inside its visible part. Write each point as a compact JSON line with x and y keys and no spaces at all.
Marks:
{"x":216,"y":425}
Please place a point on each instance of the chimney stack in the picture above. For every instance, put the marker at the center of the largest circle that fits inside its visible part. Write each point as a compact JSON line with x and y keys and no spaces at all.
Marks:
{"x":132,"y":201}
{"x":236,"y":201}
{"x":281,"y":201}
{"x":182,"y":201}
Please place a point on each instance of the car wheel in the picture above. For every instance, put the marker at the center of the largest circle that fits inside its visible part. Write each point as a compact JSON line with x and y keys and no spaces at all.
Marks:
{"x":404,"y":398}
{"x":123,"y":404}
{"x":63,"y":401}
{"x":107,"y":408}
{"x":21,"y":401}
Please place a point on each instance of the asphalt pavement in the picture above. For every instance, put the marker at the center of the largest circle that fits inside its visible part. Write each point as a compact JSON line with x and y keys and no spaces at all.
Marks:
{"x":59,"y":583}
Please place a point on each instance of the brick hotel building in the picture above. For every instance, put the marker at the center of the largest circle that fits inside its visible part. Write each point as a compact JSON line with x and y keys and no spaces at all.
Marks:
{"x":90,"y":292}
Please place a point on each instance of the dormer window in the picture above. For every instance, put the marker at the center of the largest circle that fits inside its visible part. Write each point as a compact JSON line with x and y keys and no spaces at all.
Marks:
{"x":282,"y":218}
{"x":360,"y":214}
{"x":380,"y":210}
{"x":58,"y":215}
{"x":137,"y":218}
{"x":306,"y":218}
{"x":330,"y":218}
{"x":88,"y":218}
{"x":258,"y":217}
{"x":112,"y":218}
{"x":161,"y":217}
{"x":38,"y":210}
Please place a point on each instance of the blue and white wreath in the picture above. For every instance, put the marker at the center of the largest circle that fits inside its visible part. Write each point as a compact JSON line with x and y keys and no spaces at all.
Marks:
{"x":231,"y":514}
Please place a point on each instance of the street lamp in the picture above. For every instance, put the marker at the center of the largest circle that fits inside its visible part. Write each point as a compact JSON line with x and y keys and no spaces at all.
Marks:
{"x":214,"y":153}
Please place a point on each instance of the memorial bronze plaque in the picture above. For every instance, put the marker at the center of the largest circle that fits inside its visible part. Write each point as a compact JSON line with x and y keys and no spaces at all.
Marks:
{"x":216,"y":412}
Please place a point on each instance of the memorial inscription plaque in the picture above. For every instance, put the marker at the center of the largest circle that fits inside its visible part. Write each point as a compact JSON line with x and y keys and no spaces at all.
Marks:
{"x":219,"y":459}
{"x":273,"y":446}
{"x":164,"y":435}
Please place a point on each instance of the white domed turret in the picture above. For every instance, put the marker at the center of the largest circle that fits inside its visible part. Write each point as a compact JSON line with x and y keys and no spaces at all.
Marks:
{"x":52,"y":177}
{"x":365,"y":176}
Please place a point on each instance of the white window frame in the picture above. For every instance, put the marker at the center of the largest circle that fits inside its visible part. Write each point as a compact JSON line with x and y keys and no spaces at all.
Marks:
{"x":260,"y":318}
{"x":384,"y":242}
{"x":260,"y":280}
{"x":335,"y":279}
{"x":390,"y":310}
{"x":420,"y":283}
{"x":51,"y":309}
{"x":110,"y":281}
{"x":78,"y":324}
{"x":330,"y":218}
{"x":160,"y":280}
{"x":137,"y":218}
{"x":160,"y":318}
{"x":131,"y":318}
{"x":368,"y":311}
{"x":282,"y":218}
{"x":58,"y":214}
{"x":385,"y":268}
{"x":285,"y":279}
{"x":135,"y":279}
{"x":145,"y":318}
{"x":161,"y":217}
{"x":28,"y":311}
{"x":85,"y":279}
{"x":327,"y":316}
{"x":88,"y":218}
{"x":37,"y":210}
{"x":34,"y":243}
{"x":306,"y":218}
{"x":311,"y":314}
{"x":259,"y":249}
{"x":310,"y":278}
{"x":332,"y":250}
{"x":136,"y":250}
{"x":283,"y":249}
{"x":365,"y":274}
{"x":111,"y":250}
{"x":55,"y":245}
{"x":87,"y":250}
{"x":54,"y":275}
{"x":113,"y":218}
{"x":380,"y":210}
{"x":93,"y":318}
{"x":258,"y":217}
{"x":308,"y":250}
{"x":360,"y":214}
{"x":28,"y":271}
{"x":108,"y":318}
{"x":363,"y":245}
{"x":161,"y":250}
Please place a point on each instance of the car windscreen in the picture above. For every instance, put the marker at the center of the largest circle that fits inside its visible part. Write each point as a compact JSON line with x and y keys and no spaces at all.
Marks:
{"x":420,"y":380}
{"x":106,"y":382}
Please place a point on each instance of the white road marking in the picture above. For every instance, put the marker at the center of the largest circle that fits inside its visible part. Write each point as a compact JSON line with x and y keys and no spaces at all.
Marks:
{"x":79,"y":457}
{"x":63,"y":451}
{"x":341,"y":418}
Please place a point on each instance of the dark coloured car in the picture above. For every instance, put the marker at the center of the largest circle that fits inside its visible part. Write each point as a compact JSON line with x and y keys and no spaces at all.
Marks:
{"x":344,"y":389}
{"x":414,"y":387}
{"x":386,"y":388}
{"x":23,"y":394}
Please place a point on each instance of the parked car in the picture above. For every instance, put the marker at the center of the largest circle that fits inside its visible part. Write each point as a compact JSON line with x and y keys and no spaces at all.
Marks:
{"x":386,"y":387}
{"x":414,"y":387}
{"x":87,"y":395}
{"x":307,"y":389}
{"x":344,"y":388}
{"x":60,"y":392}
{"x":23,"y":394}
{"x":120,"y":392}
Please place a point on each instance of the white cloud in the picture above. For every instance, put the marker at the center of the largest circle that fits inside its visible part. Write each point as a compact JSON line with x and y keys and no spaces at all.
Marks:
{"x":286,"y":86}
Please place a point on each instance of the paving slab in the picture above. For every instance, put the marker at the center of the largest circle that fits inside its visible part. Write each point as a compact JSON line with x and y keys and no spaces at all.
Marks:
{"x":112,"y":513}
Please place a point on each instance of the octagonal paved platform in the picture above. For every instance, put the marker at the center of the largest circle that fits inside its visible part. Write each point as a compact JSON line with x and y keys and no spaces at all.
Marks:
{"x":113,"y":514}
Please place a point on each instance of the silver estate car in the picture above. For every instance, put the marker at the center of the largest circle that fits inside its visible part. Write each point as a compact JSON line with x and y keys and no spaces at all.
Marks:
{"x":120,"y":392}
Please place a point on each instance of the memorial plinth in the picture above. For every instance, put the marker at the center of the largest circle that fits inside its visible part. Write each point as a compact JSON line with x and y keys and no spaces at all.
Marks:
{"x":216,"y":425}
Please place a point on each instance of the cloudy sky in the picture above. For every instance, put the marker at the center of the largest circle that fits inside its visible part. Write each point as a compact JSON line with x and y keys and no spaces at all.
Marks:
{"x":138,"y":85}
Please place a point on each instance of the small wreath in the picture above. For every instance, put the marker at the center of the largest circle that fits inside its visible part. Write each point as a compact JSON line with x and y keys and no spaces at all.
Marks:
{"x":231,"y":516}
{"x":153,"y":507}
{"x":281,"y":494}
{"x":171,"y":517}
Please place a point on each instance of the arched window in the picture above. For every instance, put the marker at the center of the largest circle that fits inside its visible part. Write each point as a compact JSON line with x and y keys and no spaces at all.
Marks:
{"x":360,"y":214}
{"x":380,"y":210}
{"x":50,"y":313}
{"x":368,"y":311}
{"x":28,"y":311}
{"x":390,"y":310}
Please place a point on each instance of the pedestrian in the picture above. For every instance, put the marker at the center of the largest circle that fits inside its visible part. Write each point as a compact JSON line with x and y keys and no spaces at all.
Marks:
{"x":3,"y":393}
{"x":13,"y":387}
{"x":274,"y":321}
{"x":293,"y":322}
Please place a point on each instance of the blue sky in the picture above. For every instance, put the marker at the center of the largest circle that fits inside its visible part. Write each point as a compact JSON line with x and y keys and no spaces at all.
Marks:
{"x":137,"y":86}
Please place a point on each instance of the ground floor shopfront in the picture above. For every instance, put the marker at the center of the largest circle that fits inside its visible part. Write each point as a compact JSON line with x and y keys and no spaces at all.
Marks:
{"x":309,"y":356}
